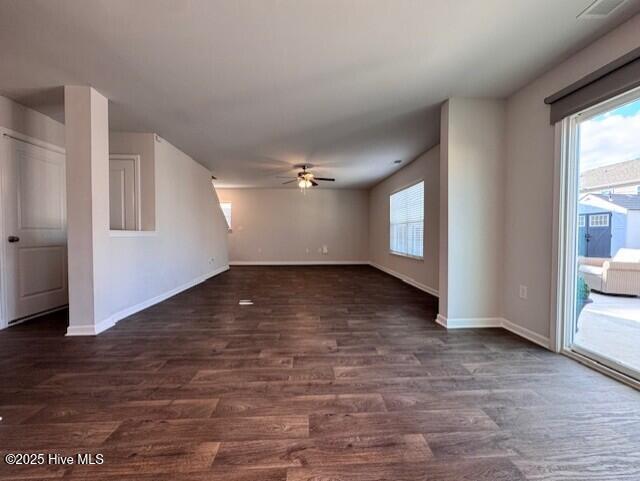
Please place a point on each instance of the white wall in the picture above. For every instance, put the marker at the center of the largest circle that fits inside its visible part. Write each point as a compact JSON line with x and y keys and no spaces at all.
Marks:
{"x":190,"y":240}
{"x":423,"y":273}
{"x":633,"y":229}
{"x":443,"y":216}
{"x":29,"y":122}
{"x":279,"y":225}
{"x":189,"y":227}
{"x":472,"y":212}
{"x":87,"y":180}
{"x":530,"y":176}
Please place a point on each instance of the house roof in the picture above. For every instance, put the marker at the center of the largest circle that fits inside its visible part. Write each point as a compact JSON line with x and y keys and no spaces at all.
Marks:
{"x":623,"y":173}
{"x":627,"y":201}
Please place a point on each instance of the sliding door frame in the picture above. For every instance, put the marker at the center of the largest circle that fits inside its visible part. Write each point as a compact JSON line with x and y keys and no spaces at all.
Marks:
{"x":565,"y":242}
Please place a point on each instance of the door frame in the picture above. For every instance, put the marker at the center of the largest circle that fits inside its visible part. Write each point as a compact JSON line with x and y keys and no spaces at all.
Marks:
{"x":565,"y":250}
{"x":5,"y":136}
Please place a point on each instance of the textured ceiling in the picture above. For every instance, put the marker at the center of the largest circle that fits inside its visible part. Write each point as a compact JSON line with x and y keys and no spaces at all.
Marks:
{"x":251,"y":87}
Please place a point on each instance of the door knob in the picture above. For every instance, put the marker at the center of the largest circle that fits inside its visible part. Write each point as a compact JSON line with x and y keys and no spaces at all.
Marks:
{"x":13,"y":238}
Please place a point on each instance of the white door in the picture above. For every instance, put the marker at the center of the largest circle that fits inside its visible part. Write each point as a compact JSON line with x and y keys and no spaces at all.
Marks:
{"x":35,"y":229}
{"x":123,"y":192}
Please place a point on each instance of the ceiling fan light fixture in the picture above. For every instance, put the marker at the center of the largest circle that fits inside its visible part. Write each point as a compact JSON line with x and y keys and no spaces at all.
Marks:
{"x":306,"y":180}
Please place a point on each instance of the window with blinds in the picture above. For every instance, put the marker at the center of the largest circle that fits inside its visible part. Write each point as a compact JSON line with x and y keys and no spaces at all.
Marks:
{"x":406,"y":221}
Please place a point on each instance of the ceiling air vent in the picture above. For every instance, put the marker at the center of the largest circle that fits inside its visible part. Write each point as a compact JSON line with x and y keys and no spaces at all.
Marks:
{"x":601,"y":8}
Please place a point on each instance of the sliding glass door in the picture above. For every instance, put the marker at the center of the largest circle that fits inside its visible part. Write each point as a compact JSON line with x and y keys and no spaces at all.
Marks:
{"x":601,"y":241}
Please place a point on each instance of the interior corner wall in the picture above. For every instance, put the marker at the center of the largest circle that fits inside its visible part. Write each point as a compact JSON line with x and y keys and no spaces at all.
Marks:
{"x":287,"y":226}
{"x":421,"y":273}
{"x":472,"y":210}
{"x":188,"y":245}
{"x":530,"y":151}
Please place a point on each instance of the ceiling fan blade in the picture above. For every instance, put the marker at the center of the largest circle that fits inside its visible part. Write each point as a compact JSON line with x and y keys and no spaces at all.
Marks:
{"x":313,"y":182}
{"x":289,"y":181}
{"x":325,"y":179}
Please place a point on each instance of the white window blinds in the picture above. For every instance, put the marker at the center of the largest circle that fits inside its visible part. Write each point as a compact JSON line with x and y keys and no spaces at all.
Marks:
{"x":406,"y":221}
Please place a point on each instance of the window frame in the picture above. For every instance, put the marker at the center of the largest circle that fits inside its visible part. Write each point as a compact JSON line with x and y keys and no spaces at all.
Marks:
{"x":599,"y":220}
{"x":393,"y":192}
{"x":582,"y":220}
{"x":229,"y":220}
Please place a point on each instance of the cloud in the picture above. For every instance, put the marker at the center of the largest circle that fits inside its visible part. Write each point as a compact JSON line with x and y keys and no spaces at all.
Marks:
{"x":609,"y":139}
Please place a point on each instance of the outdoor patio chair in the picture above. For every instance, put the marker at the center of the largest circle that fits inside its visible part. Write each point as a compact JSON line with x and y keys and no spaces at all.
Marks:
{"x":620,"y":275}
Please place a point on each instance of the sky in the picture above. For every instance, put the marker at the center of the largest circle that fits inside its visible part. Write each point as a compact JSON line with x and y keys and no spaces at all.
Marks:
{"x":611,"y":137}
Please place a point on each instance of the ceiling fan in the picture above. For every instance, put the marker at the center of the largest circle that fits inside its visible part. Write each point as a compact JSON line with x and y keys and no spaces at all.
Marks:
{"x":306,"y":179}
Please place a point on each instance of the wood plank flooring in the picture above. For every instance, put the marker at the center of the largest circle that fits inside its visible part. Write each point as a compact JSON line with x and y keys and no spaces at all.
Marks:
{"x":333,"y":374}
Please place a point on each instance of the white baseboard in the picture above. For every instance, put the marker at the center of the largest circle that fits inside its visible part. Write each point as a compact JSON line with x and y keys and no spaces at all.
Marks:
{"x":298,"y":263}
{"x":402,"y":277}
{"x":406,"y":279}
{"x":91,"y":330}
{"x":469,"y":323}
{"x":483,"y":322}
{"x":527,"y":334}
{"x":114,"y":318}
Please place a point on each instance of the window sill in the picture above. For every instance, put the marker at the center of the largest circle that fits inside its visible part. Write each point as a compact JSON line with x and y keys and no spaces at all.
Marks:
{"x":406,"y":256}
{"x":133,"y":233}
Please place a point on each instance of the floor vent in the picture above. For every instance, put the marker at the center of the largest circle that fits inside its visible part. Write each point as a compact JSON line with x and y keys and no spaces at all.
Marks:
{"x":601,"y":8}
{"x":245,"y":302}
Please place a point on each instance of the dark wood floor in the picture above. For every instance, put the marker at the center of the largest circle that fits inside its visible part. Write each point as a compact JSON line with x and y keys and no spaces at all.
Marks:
{"x":334,"y":374}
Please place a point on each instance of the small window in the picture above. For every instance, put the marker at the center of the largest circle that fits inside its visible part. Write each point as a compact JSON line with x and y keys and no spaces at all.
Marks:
{"x":638,"y":190}
{"x":226,"y":210}
{"x":581,"y":221}
{"x":599,"y":220}
{"x":406,"y":221}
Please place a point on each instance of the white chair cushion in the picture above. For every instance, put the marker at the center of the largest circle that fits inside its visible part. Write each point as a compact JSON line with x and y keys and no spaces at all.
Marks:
{"x":596,"y":271}
{"x":627,"y":255}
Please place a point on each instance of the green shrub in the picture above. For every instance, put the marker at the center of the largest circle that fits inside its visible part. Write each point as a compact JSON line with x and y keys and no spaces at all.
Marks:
{"x":583,"y":289}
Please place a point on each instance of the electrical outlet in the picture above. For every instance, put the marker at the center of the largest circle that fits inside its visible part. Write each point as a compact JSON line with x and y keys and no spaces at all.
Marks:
{"x":325,"y":250}
{"x":259,"y":250}
{"x":307,"y":250}
{"x":523,"y":292}
{"x":212,"y":260}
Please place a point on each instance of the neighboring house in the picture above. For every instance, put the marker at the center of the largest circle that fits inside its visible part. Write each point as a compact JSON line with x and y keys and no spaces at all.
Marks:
{"x":620,"y":178}
{"x":608,"y":223}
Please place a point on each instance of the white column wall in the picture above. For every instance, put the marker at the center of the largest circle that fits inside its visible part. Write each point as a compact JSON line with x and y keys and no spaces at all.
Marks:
{"x":471,"y":212}
{"x":87,"y":150}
